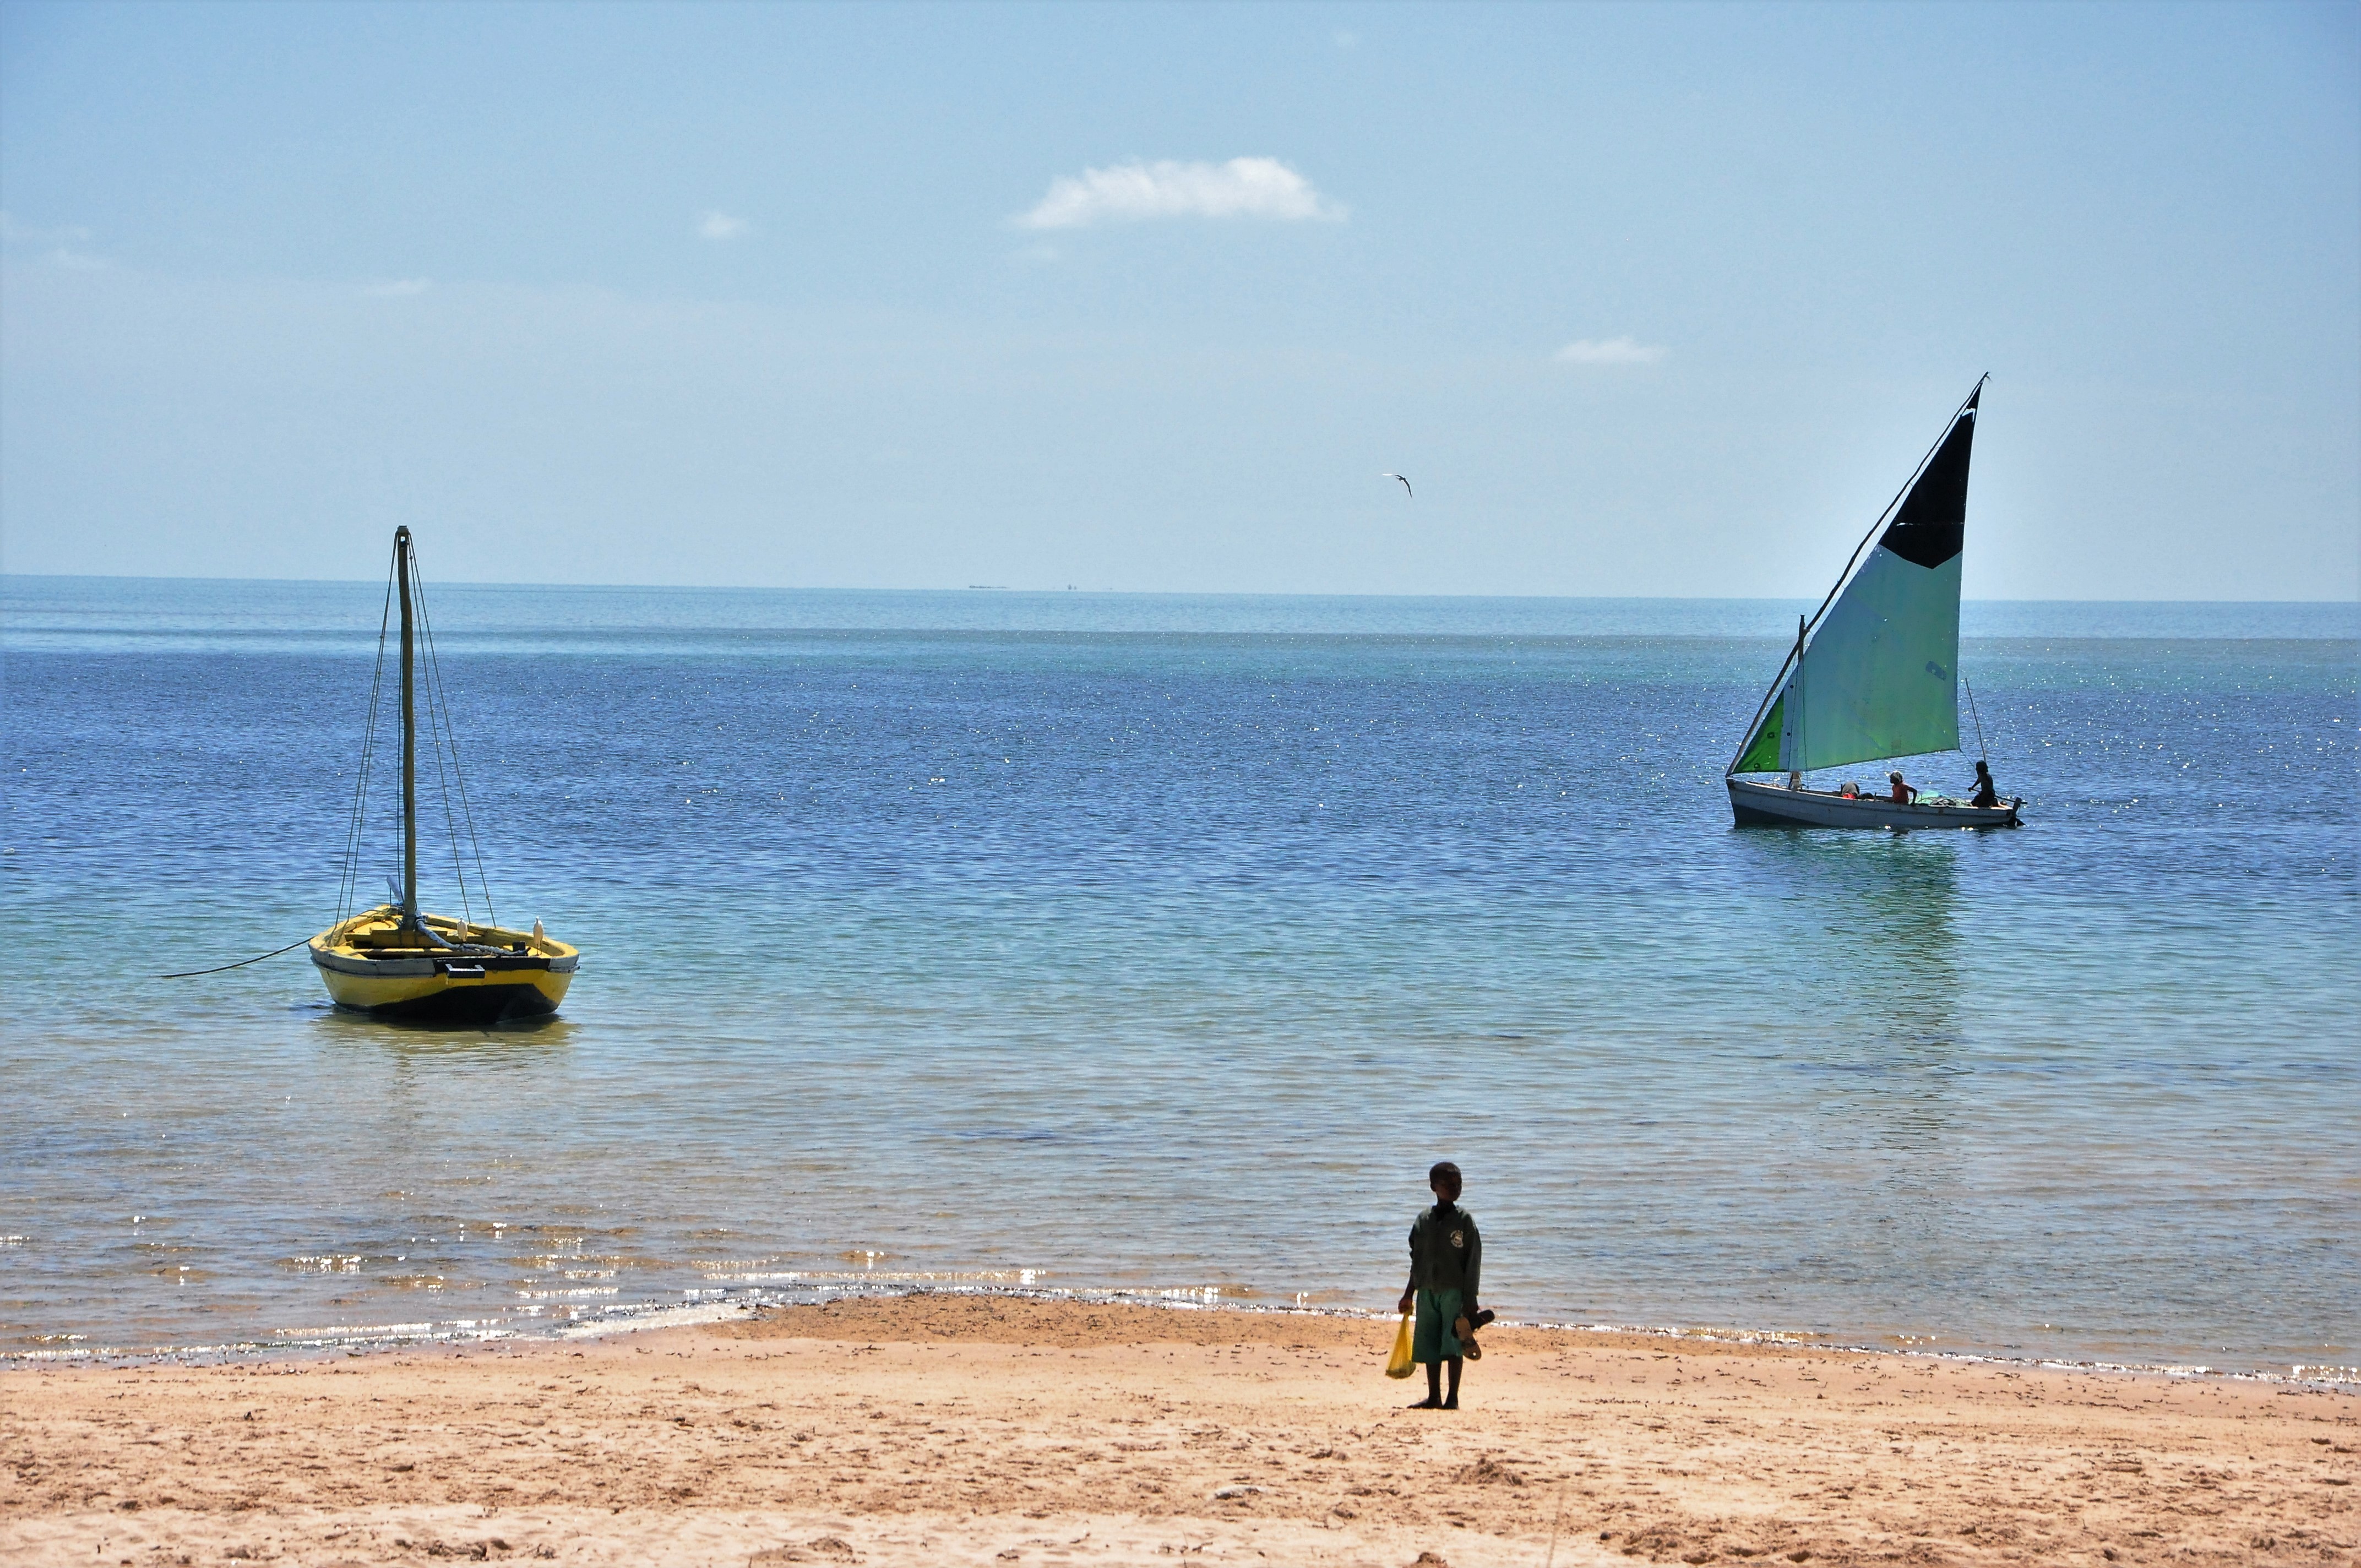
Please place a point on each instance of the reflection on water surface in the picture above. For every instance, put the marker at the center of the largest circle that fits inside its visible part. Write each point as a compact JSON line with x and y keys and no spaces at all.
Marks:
{"x":1166,"y":961}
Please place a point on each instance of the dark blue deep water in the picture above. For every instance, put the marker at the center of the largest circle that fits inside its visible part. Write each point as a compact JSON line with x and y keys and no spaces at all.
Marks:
{"x":1159,"y":944}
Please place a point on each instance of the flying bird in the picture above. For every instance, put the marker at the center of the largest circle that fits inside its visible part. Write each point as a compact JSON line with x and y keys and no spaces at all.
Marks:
{"x":1405,"y":484}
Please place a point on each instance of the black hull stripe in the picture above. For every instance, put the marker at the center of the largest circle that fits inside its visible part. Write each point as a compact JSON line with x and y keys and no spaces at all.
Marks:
{"x":466,"y":1004}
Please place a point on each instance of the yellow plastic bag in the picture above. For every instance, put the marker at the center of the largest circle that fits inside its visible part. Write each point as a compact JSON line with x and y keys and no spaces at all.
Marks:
{"x":1399,"y":1364}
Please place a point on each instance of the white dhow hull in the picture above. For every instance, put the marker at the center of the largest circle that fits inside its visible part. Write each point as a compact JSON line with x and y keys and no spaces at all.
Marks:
{"x":1776,"y":805}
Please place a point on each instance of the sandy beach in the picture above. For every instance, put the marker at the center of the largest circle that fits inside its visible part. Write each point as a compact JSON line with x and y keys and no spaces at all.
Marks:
{"x":933,"y":1430}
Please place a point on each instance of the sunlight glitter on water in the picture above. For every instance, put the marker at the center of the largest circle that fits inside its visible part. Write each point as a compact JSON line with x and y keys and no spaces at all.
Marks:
{"x":1206,"y":944}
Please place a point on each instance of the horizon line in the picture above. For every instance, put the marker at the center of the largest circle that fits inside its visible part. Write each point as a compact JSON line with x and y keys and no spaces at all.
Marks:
{"x":1124,"y":593}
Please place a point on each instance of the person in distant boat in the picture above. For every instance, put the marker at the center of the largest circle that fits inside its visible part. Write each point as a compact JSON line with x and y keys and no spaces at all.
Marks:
{"x":1986,"y":794}
{"x":1447,"y":1257}
{"x":1902,"y":795}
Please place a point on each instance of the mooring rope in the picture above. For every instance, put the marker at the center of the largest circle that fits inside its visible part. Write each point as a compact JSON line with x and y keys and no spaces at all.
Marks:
{"x":186,"y":974}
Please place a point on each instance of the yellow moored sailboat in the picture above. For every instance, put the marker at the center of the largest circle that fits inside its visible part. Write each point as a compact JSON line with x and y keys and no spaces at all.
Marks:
{"x":395,"y":960}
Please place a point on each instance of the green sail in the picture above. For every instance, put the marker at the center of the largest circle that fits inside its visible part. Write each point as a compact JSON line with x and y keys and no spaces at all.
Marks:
{"x":1761,"y":754}
{"x":1880,"y":677}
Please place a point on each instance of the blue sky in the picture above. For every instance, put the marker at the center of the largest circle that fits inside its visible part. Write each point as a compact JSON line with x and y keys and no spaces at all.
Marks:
{"x":1656,"y":300}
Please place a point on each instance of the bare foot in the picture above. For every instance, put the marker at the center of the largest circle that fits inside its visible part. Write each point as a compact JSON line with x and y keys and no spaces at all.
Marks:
{"x":1450,"y":1404}
{"x":1430,"y":1404}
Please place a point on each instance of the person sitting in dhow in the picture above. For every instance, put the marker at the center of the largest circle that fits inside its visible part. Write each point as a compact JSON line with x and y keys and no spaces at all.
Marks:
{"x":1986,"y":794}
{"x":1903,"y":794}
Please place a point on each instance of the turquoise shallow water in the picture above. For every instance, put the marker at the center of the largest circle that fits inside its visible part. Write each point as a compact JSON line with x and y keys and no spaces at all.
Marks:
{"x":1160,"y":943}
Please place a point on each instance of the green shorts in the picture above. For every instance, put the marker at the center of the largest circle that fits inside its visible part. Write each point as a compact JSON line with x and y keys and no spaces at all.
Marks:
{"x":1432,"y":1339}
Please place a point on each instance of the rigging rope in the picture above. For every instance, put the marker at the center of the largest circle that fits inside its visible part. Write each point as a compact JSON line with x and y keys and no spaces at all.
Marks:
{"x":435,"y":729}
{"x":349,"y":883}
{"x":440,"y":702}
{"x":1977,"y":717}
{"x":186,"y":974}
{"x":441,"y":734}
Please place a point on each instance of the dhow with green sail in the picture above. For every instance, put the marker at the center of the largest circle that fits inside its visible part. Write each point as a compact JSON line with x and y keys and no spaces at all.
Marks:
{"x":1874,"y":673}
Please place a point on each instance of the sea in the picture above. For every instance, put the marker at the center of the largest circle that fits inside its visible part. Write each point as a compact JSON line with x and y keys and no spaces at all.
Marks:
{"x":1155,"y":945}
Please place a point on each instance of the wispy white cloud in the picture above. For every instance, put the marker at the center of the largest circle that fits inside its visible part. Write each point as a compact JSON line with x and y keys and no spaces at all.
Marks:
{"x":56,"y":242}
{"x":14,"y":232}
{"x":400,"y":289}
{"x":1610,"y":351}
{"x":719,"y":225}
{"x":1126,"y":192}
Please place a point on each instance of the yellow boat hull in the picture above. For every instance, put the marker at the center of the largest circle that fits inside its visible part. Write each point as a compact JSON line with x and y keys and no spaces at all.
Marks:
{"x":371,"y":965}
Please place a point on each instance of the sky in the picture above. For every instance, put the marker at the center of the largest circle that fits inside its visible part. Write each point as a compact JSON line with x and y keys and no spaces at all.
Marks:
{"x":1661,"y":300}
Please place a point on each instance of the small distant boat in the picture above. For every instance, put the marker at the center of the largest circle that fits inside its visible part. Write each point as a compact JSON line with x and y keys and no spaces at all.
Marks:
{"x":395,"y":960}
{"x":1874,"y":674}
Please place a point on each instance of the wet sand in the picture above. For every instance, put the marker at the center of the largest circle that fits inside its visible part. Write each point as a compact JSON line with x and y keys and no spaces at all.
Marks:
{"x":940,"y":1429}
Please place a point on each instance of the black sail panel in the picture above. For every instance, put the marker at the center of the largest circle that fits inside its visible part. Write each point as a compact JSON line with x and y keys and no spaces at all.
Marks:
{"x":1927,"y":529}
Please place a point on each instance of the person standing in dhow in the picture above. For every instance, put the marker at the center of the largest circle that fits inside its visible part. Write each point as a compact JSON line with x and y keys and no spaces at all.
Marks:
{"x":1446,"y":1262}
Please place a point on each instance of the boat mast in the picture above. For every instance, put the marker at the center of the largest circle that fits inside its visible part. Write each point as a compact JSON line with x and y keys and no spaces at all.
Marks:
{"x":1795,"y":719}
{"x":409,"y":743}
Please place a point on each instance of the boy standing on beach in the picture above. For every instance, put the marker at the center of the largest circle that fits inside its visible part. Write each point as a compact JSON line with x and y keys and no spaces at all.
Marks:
{"x":1446,"y":1256}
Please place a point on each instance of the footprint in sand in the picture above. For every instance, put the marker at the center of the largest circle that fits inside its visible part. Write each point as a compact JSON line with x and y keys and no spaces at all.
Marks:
{"x":824,"y":1549}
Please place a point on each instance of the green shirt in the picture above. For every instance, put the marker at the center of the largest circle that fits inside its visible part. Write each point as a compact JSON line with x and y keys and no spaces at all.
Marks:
{"x":1446,"y":1252}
